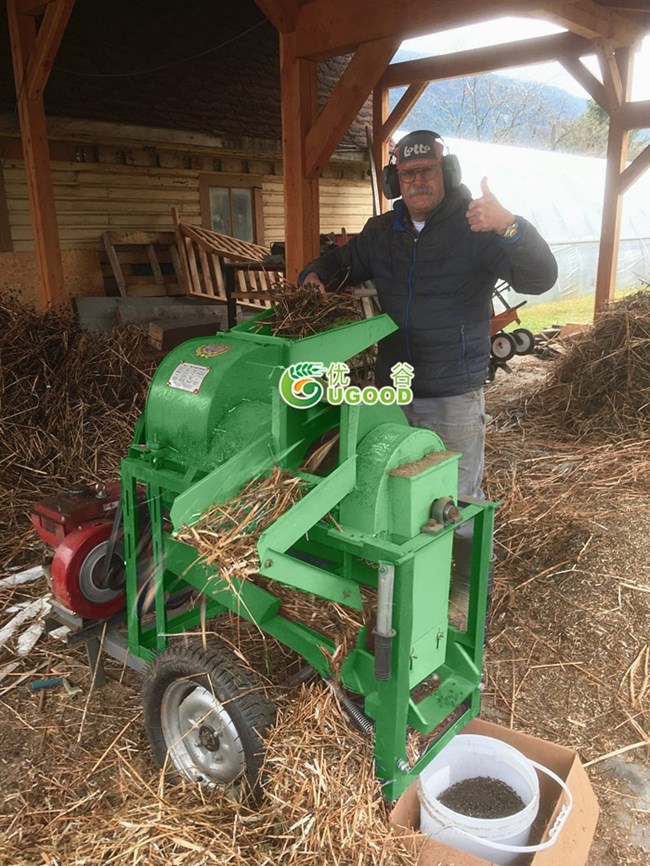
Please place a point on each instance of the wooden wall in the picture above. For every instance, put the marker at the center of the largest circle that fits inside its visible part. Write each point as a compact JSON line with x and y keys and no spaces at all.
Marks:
{"x":121,"y":186}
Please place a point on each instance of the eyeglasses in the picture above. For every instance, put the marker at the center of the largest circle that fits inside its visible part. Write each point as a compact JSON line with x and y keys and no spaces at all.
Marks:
{"x":409,"y":174}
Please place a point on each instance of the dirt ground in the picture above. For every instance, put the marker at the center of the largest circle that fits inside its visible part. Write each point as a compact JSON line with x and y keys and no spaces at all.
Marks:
{"x":563,"y":644}
{"x":567,"y":660}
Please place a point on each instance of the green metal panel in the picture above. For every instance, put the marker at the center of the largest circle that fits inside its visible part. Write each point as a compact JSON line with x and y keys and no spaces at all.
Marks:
{"x":310,"y":579}
{"x":342,"y":343}
{"x":368,"y":507}
{"x":411,"y":495}
{"x":309,"y":510}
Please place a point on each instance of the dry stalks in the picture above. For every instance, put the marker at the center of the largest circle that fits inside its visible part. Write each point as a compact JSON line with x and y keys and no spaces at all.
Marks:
{"x":601,"y":387}
{"x":302,"y":311}
{"x":68,"y":403}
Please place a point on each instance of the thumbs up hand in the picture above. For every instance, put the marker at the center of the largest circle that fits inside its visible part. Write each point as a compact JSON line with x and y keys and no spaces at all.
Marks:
{"x":486,"y":214}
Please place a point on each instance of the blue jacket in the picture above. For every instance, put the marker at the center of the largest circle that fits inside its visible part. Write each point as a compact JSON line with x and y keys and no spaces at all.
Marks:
{"x":438,"y":287}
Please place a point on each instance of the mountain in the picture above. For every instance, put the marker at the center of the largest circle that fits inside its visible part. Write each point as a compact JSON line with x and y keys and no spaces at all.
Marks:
{"x":492,"y":107}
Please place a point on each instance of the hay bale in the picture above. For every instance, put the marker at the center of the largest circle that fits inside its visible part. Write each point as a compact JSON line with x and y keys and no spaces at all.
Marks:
{"x":68,"y":403}
{"x":601,"y":386}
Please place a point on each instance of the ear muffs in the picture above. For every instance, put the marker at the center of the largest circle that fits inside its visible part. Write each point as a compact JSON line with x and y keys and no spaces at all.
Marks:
{"x":390,"y":180}
{"x":451,"y":176}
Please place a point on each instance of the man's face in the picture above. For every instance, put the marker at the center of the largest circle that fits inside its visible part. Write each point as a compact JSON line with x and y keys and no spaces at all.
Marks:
{"x":422,"y":189}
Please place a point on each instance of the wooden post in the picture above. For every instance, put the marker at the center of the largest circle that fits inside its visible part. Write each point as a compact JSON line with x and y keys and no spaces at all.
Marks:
{"x":32,"y":55}
{"x":612,"y":203}
{"x":299,"y":111}
{"x":380,"y":108}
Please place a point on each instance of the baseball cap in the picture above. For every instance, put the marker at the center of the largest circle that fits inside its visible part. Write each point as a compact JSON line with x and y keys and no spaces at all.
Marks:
{"x":418,"y":149}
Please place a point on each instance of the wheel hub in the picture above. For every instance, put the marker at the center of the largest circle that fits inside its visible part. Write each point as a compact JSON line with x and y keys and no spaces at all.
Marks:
{"x":208,"y":738}
{"x":202,"y":740}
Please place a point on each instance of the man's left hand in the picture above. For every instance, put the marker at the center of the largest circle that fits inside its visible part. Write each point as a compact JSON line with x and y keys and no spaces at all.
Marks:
{"x":486,"y":214}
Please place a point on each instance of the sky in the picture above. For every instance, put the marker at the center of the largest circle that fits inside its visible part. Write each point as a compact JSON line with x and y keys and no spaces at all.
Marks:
{"x":511,"y":29}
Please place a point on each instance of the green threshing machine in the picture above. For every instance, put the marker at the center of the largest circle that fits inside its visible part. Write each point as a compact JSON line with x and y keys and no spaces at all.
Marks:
{"x":215,"y":420}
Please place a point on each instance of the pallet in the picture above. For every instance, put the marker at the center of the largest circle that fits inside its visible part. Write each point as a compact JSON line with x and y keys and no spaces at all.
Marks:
{"x":142,"y":263}
{"x":203,"y":256}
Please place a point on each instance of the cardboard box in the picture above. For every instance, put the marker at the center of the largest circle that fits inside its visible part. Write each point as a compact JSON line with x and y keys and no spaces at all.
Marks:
{"x":573,"y":843}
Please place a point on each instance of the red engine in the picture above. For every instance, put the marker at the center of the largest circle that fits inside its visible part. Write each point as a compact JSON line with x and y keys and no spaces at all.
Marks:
{"x":78,"y":526}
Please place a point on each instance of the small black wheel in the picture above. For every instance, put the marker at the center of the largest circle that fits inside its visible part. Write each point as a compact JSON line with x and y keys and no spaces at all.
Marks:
{"x":524,"y":341}
{"x":503,"y":347}
{"x":205,"y":715}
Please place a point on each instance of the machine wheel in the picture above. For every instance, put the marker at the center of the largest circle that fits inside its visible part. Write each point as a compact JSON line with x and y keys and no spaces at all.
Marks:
{"x":503,"y":347}
{"x":205,"y":715}
{"x":524,"y":341}
{"x":79,"y":577}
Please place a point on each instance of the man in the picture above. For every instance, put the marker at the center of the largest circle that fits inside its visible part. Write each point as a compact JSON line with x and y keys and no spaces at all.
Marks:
{"x":435,"y":260}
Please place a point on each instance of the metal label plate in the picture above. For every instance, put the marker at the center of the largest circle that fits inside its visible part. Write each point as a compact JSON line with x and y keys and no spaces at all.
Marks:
{"x":188,"y":377}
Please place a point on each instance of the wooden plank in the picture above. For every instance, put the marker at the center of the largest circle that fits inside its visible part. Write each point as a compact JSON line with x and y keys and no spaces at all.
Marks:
{"x":6,"y":243}
{"x":583,"y":76}
{"x":223,"y":245}
{"x":610,"y":73}
{"x":115,"y":263}
{"x":636,"y":115}
{"x":182,"y":252}
{"x":195,"y":280}
{"x":31,"y":112}
{"x":140,"y":237}
{"x":299,"y":109}
{"x":155,"y":267}
{"x":635,"y":169}
{"x":617,"y":144}
{"x":218,"y":275}
{"x":47,"y":44}
{"x":380,"y":112}
{"x":403,"y":107}
{"x":346,"y":100}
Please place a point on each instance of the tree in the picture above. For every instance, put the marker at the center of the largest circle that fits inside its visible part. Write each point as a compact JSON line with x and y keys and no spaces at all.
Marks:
{"x":588,"y":134}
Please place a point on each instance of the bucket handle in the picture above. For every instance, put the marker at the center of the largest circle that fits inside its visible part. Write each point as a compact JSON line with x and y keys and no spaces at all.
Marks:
{"x":553,"y":833}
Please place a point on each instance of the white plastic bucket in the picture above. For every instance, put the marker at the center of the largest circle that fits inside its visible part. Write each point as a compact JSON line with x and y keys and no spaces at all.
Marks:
{"x":498,"y":840}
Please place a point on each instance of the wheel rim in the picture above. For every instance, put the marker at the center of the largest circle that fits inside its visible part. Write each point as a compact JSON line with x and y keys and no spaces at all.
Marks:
{"x":92,"y":578}
{"x":502,"y":347}
{"x":202,"y":741}
{"x":524,"y":341}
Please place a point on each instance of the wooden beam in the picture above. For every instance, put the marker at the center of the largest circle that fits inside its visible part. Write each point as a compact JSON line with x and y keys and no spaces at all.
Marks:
{"x":605,"y":53}
{"x":588,"y":18}
{"x":380,"y":111}
{"x":298,"y":78}
{"x":403,"y":107}
{"x":281,"y":13}
{"x":326,"y":28}
{"x":31,"y":112}
{"x":346,"y":100}
{"x":32,"y":7}
{"x":48,"y":40}
{"x":635,"y":115}
{"x":490,"y":58}
{"x":617,"y":143}
{"x":575,"y":67}
{"x":635,"y":169}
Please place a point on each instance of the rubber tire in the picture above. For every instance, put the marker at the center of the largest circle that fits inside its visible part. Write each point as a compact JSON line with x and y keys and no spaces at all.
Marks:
{"x":524,"y":341}
{"x":504,"y":339}
{"x":216,"y":668}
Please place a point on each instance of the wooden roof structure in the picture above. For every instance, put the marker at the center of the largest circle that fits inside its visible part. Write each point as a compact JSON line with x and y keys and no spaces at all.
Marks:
{"x":371,"y":31}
